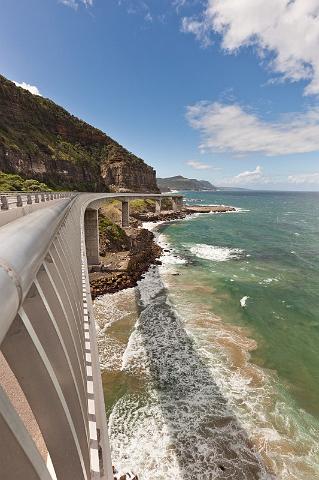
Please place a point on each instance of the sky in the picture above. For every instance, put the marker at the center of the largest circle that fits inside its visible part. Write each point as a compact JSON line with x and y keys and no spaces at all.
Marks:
{"x":220,"y":90}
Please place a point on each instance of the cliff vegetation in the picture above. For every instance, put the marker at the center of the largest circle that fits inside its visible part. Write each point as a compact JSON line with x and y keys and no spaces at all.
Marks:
{"x":11,"y":183}
{"x":41,"y":140}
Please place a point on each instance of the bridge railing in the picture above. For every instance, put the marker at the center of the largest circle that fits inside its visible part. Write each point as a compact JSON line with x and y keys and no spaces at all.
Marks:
{"x":10,"y":200}
{"x":47,"y":337}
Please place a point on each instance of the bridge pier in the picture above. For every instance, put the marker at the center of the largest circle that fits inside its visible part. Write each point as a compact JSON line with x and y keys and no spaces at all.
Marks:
{"x":91,"y":228}
{"x":125,"y":213}
{"x":158,"y":206}
{"x":176,"y":203}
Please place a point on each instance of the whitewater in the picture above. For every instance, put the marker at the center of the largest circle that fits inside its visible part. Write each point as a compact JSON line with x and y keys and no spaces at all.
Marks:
{"x":191,"y":403}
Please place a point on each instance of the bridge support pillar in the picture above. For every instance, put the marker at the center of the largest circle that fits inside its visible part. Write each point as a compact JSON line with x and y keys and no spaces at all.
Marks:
{"x":125,"y":214}
{"x":177,"y":203}
{"x":174,"y":204}
{"x":158,"y":206}
{"x":91,"y":227}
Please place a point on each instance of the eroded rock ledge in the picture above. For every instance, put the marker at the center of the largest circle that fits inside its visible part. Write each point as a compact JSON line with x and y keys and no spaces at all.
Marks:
{"x":167,"y":215}
{"x":127,"y":254}
{"x":123,"y":268}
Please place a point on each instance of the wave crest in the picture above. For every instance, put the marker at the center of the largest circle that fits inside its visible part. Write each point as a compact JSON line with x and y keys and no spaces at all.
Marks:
{"x":215,"y":253}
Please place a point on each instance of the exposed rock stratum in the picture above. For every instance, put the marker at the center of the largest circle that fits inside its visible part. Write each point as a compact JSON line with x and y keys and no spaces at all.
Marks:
{"x":41,"y":140}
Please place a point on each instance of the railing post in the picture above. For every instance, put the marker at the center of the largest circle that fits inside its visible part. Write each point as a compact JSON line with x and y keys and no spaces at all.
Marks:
{"x":36,"y":198}
{"x":42,"y":197}
{"x":4,"y":203}
{"x":19,"y":201}
{"x":29,"y":199}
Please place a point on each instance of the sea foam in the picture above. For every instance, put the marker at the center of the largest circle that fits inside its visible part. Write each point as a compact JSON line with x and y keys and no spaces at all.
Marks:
{"x":215,"y":253}
{"x":243,"y":301}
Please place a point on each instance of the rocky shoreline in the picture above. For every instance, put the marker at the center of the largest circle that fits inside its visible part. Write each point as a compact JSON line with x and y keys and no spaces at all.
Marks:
{"x":168,"y":215}
{"x":127,"y":254}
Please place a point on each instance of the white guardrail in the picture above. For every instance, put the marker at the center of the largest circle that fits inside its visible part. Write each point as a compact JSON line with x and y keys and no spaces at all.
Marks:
{"x":10,"y":200}
{"x":47,"y":337}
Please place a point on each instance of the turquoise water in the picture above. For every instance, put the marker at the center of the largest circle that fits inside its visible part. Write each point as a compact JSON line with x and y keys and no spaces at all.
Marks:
{"x":210,"y":365}
{"x":278,"y":269}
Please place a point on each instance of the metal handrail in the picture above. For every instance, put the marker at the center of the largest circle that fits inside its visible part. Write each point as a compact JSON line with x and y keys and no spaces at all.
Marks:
{"x":9,"y":200}
{"x":22,"y":255}
{"x":47,"y":336}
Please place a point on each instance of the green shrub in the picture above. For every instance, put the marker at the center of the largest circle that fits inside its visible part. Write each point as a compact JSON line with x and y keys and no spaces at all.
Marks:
{"x":10,"y":182}
{"x":112,"y":230}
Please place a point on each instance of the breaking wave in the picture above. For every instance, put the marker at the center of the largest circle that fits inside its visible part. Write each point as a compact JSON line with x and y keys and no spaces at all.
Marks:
{"x":215,"y":253}
{"x":206,"y":412}
{"x":182,"y":428}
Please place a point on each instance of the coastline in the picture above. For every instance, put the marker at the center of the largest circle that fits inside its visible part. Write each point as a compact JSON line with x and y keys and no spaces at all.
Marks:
{"x":153,"y":350}
{"x":255,"y":394}
{"x":124,"y":268}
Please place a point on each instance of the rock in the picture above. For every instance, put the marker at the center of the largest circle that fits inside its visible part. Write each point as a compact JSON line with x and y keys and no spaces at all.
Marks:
{"x":123,"y":476}
{"x":209,"y":208}
{"x":143,"y":253}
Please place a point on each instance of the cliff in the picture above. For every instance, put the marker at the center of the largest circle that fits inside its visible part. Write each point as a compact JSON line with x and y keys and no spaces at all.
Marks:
{"x":182,"y":184}
{"x":41,"y":140}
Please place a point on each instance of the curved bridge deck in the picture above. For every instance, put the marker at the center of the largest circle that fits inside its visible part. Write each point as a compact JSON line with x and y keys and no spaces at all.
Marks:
{"x":52,"y":415}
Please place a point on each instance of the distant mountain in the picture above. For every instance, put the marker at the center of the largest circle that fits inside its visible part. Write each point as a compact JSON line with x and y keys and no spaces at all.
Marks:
{"x":181,"y":183}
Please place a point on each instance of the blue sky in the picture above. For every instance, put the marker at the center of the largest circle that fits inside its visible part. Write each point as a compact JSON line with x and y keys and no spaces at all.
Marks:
{"x":216,"y":89}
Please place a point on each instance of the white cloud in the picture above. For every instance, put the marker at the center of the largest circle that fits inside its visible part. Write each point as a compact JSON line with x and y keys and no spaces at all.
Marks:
{"x":288,"y":30}
{"x":148,"y":17}
{"x":305,"y":178}
{"x":231,"y":128}
{"x":248,"y":177}
{"x":70,"y":3}
{"x":201,"y":30}
{"x":75,"y":3}
{"x":198,"y":165}
{"x":31,"y":88}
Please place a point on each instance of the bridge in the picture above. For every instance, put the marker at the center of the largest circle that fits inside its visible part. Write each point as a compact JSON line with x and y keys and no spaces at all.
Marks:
{"x":52,"y":413}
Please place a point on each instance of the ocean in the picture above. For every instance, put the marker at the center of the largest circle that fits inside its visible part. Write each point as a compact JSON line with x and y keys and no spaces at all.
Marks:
{"x":211,"y":365}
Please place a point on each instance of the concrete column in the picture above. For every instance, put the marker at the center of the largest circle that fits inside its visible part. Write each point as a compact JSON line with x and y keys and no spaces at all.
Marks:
{"x":91,"y":227}
{"x":174,"y":203}
{"x":158,"y":206}
{"x":177,"y":203}
{"x":125,"y":214}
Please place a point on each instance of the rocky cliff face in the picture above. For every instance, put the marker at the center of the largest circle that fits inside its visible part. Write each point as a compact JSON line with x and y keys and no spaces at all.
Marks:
{"x":39,"y":139}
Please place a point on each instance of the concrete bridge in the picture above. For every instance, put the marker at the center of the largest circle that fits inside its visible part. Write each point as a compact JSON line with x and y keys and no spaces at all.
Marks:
{"x":52,"y":413}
